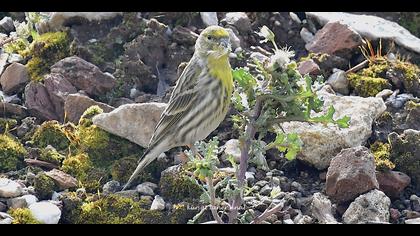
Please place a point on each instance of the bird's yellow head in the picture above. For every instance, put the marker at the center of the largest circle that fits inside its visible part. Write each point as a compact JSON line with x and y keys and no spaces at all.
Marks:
{"x":214,"y":40}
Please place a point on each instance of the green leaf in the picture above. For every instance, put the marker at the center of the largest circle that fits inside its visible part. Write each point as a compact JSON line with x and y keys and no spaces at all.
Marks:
{"x":343,"y":122}
{"x":244,"y":78}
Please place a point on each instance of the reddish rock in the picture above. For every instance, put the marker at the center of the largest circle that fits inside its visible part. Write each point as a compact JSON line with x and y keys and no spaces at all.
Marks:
{"x":309,"y":67}
{"x":84,"y":75}
{"x":392,"y":183}
{"x":58,"y":89}
{"x":394,"y":214}
{"x":335,"y":39}
{"x":63,"y":180}
{"x":14,"y":78}
{"x":351,"y":173}
{"x":38,"y":102}
{"x":76,"y":104}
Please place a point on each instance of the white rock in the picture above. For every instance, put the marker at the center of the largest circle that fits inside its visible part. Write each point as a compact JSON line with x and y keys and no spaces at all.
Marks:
{"x":22,"y":202}
{"x":240,"y":20}
{"x":45,"y":212}
{"x":339,"y":82}
{"x":288,"y":222}
{"x":306,"y":35}
{"x":232,"y":148}
{"x":371,"y":27}
{"x":414,"y":221}
{"x":3,"y":61}
{"x":321,"y":208}
{"x":143,"y":189}
{"x":158,"y":203}
{"x":135,"y":122}
{"x":5,"y":219}
{"x":370,"y":207}
{"x":322,"y":143}
{"x":57,"y":19}
{"x":10,"y":188}
{"x":209,"y":18}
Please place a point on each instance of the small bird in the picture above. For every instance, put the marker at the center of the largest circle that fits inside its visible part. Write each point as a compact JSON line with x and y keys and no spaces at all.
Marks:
{"x":199,"y":101}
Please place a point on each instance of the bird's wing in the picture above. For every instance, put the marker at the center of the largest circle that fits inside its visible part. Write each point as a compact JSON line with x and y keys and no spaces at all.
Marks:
{"x":180,"y":102}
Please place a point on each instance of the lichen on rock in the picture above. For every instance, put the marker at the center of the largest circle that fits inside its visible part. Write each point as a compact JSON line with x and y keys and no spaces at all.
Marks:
{"x":12,"y":153}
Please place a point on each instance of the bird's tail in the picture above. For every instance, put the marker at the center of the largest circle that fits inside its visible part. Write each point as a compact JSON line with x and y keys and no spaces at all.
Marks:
{"x":149,"y":156}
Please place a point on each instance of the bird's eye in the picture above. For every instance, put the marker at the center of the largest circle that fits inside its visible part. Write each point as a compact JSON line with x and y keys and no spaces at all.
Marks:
{"x":209,"y":37}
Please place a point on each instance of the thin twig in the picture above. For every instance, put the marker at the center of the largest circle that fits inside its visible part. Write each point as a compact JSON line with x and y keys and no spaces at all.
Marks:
{"x":268,"y":212}
{"x":358,"y":66}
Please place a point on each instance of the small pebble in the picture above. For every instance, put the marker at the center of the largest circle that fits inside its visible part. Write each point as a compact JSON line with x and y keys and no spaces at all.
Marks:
{"x":158,"y":203}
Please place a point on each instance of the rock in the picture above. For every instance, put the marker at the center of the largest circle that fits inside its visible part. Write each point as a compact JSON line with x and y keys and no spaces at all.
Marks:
{"x":412,"y":221}
{"x":306,"y":35}
{"x":3,"y":61}
{"x":338,"y":81}
{"x":76,"y":104}
{"x":22,"y":202}
{"x":111,"y":187}
{"x":308,"y":67}
{"x":10,"y":188}
{"x":209,"y":18}
{"x":351,"y":173}
{"x":151,"y":185}
{"x":394,"y":214}
{"x":183,"y":35}
{"x":28,"y":125}
{"x":415,"y":202}
{"x":45,"y":212}
{"x":392,"y":183}
{"x":5,"y":219}
{"x":335,"y":39}
{"x":240,"y":20}
{"x":135,"y":122}
{"x":411,"y":214}
{"x":370,"y":207}
{"x":57,"y":20}
{"x":321,"y":209}
{"x":384,"y":94}
{"x":266,"y":190}
{"x":288,"y":222}
{"x":6,"y":25}
{"x":58,"y":88}
{"x":234,"y":39}
{"x":405,"y":153}
{"x":322,"y":143}
{"x":38,"y":102}
{"x":84,"y":75}
{"x":62,"y":180}
{"x":371,"y":27}
{"x":9,"y":109}
{"x":143,"y":189}
{"x":133,"y":194}
{"x":14,"y":78}
{"x":3,"y":207}
{"x":158,"y":203}
{"x":232,"y":148}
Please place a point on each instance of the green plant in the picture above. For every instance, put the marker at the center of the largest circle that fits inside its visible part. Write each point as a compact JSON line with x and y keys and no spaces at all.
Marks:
{"x":267,"y":94}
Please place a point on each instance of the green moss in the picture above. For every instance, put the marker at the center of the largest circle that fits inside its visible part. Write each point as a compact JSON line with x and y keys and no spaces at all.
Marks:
{"x":46,"y":50}
{"x":176,"y":186}
{"x":44,"y":186}
{"x":50,"y":154}
{"x":7,"y":124}
{"x":410,"y":75}
{"x":123,"y":168}
{"x":51,"y":133}
{"x":377,"y":68}
{"x":381,"y":152}
{"x":22,"y":216}
{"x":367,"y":86}
{"x":18,"y":46}
{"x":86,"y":118}
{"x":12,"y":153}
{"x":113,"y":209}
{"x":405,"y":153}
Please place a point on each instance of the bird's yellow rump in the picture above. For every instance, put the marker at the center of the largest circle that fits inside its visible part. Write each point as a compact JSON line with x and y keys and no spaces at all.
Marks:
{"x":199,"y":101}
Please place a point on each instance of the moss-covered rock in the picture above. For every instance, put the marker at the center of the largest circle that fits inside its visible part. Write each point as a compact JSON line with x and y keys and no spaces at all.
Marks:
{"x":7,"y":124}
{"x":12,"y":153}
{"x":44,"y":186}
{"x":176,"y":186}
{"x":110,"y":209}
{"x":51,"y":133}
{"x":46,"y":50}
{"x":51,"y":155}
{"x":86,"y":118}
{"x":366,"y":86}
{"x":405,"y":153}
{"x":183,"y":212}
{"x":381,"y":153}
{"x":22,"y":216}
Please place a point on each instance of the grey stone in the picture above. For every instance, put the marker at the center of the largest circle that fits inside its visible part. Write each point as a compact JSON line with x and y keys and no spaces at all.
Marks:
{"x":158,"y":203}
{"x":10,"y":188}
{"x":145,"y":190}
{"x":111,"y":187}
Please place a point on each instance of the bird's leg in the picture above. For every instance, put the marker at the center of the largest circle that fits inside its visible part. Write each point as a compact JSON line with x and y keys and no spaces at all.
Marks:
{"x":194,"y":151}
